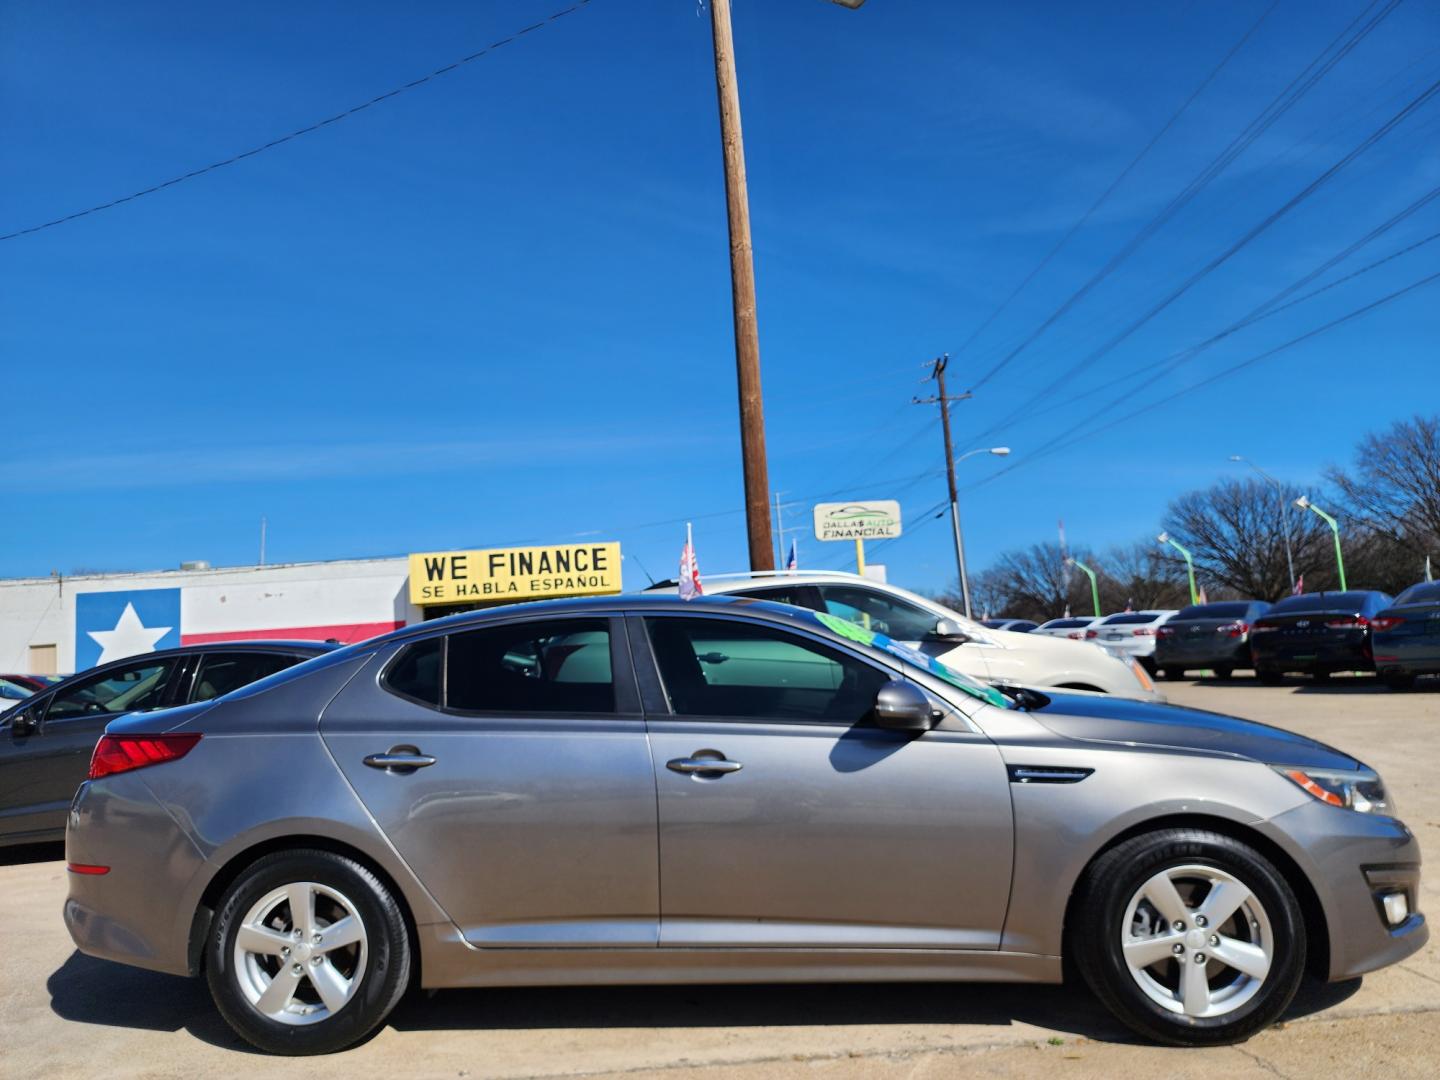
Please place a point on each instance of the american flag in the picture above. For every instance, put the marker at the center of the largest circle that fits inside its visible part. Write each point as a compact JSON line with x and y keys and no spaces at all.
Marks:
{"x":793,"y":562}
{"x":1299,"y":586}
{"x":690,"y":586}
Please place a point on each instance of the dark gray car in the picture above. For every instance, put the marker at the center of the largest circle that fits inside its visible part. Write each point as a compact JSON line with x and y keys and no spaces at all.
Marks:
{"x":45,"y":742}
{"x":1214,"y":636}
{"x":641,"y":789}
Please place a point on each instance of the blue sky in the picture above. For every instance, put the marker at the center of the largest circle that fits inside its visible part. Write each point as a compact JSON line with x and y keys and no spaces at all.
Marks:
{"x":496,"y":309}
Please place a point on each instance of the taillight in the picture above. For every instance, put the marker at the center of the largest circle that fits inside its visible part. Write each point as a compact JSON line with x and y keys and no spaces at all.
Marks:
{"x":1091,"y":634}
{"x":1357,"y":622}
{"x":1165,"y":631}
{"x":1262,"y":628}
{"x":121,"y":753}
{"x":1234,"y":629}
{"x":1386,"y":622}
{"x":1144,"y":631}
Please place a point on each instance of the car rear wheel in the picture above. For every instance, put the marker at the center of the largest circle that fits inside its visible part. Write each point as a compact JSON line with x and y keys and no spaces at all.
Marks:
{"x":1224,"y":672}
{"x":1399,"y":681}
{"x":1189,"y":937}
{"x":1269,"y":678}
{"x":308,"y":953}
{"x":1321,"y":675}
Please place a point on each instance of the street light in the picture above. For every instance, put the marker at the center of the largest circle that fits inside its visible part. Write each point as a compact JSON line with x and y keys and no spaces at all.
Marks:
{"x":1164,"y":538}
{"x":998,"y":451}
{"x":1284,"y":520}
{"x":1305,"y":504}
{"x":1094,"y":588}
{"x":742,"y":290}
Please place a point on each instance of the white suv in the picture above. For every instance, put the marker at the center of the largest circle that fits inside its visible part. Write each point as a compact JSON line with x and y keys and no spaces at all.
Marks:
{"x":999,"y":656}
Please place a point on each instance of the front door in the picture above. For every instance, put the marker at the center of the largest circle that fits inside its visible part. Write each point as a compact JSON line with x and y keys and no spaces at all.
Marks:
{"x":529,"y":808}
{"x":45,"y":756}
{"x":788,"y":820}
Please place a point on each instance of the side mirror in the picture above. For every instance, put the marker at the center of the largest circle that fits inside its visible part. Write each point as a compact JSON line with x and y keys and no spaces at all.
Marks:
{"x":22,"y":721}
{"x":903,"y":706}
{"x":949,"y":629}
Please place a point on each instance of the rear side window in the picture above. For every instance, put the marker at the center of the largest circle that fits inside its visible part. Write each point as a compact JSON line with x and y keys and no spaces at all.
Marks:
{"x":133,"y":688}
{"x":415,"y":673}
{"x":1335,"y":601}
{"x":221,"y":673}
{"x":794,"y":595}
{"x":557,"y":666}
{"x":1136,"y":619}
{"x":1067,"y":624}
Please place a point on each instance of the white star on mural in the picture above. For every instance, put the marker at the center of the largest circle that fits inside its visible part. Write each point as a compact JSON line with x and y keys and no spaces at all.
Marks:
{"x":130,"y":637}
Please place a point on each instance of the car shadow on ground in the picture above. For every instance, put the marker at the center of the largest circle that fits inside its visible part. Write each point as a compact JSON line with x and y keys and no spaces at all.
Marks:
{"x":1304,"y":684}
{"x":20,"y":854}
{"x":90,"y":991}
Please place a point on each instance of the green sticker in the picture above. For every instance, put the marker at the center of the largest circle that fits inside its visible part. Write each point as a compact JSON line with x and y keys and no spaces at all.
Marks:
{"x":847,"y":629}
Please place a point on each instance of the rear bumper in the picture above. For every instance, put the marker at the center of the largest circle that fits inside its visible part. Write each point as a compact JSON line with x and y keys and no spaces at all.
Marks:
{"x":130,"y":914}
{"x":1352,"y":861}
{"x":1407,"y":656}
{"x":1206,"y":654}
{"x":1311,"y":655}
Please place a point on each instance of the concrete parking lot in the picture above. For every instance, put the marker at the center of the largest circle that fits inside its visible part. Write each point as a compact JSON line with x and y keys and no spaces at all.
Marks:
{"x":63,"y":1014}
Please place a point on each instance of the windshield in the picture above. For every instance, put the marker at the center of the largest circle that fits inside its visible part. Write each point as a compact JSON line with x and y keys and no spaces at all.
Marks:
{"x":914,"y":657}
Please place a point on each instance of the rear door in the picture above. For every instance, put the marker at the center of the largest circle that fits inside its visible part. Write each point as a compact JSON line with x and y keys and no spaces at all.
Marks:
{"x":509,"y":767}
{"x":814,"y":828}
{"x":42,"y":764}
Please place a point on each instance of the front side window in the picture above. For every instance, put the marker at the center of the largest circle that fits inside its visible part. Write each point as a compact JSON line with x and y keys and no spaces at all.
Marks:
{"x":554,"y":666}
{"x":879,"y":612}
{"x":222,"y":672}
{"x":132,"y":688}
{"x":720,"y":667}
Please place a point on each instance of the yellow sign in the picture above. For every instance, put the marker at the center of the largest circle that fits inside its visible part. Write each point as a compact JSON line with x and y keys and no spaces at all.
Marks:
{"x":529,"y":573}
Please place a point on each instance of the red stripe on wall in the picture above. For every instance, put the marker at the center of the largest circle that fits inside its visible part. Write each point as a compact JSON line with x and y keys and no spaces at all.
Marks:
{"x":346,"y":633}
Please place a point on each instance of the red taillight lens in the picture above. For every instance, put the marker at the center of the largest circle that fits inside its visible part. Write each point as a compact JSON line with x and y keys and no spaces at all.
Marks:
{"x":1234,"y":629}
{"x":1349,"y":622}
{"x":1261,"y":628}
{"x":1144,"y":631}
{"x":87,"y":868}
{"x":121,"y":753}
{"x":1385,"y":622}
{"x":1092,"y":633}
{"x":1165,"y":631}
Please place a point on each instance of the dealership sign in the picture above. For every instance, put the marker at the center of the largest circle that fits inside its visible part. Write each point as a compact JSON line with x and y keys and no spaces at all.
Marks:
{"x":875,"y":520}
{"x":528,"y":573}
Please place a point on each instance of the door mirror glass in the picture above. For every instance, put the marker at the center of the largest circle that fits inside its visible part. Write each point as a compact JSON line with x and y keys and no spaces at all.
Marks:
{"x":23,"y":721}
{"x":903,"y":706}
{"x":949,"y":630}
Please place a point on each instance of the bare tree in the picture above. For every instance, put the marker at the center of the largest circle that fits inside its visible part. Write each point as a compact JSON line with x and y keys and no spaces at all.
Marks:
{"x":1236,"y":531}
{"x":1393,"y":492}
{"x":1031,"y":583}
{"x":1139,"y":574}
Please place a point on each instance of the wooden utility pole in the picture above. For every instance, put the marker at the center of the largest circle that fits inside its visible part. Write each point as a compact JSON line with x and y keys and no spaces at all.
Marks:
{"x":742,"y":290}
{"x":937,"y":368}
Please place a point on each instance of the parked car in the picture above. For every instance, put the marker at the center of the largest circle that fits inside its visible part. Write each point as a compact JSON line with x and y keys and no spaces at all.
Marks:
{"x":45,"y":741}
{"x":997,"y":656}
{"x":1130,"y":632}
{"x":1072,"y":629}
{"x":31,"y":682}
{"x":1214,"y":636}
{"x":1016,"y":626}
{"x":562,"y":792}
{"x":12,"y":693}
{"x":1316,"y":634}
{"x":1406,"y":636}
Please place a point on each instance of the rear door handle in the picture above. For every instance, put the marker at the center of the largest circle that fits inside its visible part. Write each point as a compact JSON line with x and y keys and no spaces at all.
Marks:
{"x":703,"y":765}
{"x":401,"y":759}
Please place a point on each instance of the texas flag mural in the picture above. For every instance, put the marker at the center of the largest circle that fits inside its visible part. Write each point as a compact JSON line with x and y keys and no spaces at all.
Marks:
{"x":114,"y":625}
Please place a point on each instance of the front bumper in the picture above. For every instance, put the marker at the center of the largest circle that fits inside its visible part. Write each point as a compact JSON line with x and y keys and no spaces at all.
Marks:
{"x":1352,"y":860}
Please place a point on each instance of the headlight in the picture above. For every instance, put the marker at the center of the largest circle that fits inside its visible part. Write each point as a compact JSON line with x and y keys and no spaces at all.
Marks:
{"x":1361,"y":790}
{"x":1136,"y":668}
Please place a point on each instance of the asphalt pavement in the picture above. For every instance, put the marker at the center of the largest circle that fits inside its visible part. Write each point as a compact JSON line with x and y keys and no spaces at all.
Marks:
{"x":67,"y":1015}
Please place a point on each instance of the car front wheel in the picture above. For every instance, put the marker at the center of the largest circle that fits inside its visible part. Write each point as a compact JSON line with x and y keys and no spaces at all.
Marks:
{"x":1189,"y":937}
{"x":308,"y":953}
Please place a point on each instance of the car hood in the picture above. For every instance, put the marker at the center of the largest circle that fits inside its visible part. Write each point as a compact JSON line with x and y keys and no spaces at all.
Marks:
{"x":1125,"y":722}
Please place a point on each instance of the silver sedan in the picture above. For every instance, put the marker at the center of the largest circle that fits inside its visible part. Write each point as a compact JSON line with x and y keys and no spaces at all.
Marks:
{"x":645,"y":790}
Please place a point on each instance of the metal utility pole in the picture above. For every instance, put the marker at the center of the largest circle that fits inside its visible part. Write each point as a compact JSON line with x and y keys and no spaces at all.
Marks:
{"x":943,"y":400}
{"x":262,"y":539}
{"x":742,"y":290}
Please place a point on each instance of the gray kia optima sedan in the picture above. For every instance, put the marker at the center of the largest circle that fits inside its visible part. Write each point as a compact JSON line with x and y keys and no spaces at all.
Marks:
{"x":644,"y":790}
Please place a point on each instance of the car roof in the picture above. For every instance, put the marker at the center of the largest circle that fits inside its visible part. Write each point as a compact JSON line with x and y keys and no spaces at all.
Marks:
{"x":313,"y":648}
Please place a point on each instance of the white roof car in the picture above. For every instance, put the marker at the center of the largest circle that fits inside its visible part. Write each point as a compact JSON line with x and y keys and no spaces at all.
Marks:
{"x":998,"y":656}
{"x":1070,"y":627}
{"x":1131,"y":632}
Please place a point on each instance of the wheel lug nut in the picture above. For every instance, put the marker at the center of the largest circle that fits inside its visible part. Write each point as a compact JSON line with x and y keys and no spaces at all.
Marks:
{"x":1214,"y":939}
{"x":1200,"y":920}
{"x":315,"y":960}
{"x":1179,"y":927}
{"x":285,"y":950}
{"x":1200,"y":958}
{"x":316,"y":939}
{"x":295,"y":934}
{"x":1178,"y":949}
{"x":296,"y":968}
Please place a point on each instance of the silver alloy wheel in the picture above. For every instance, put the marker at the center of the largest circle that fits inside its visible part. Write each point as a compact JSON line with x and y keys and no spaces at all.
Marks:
{"x":1197,"y":941}
{"x":300,"y":953}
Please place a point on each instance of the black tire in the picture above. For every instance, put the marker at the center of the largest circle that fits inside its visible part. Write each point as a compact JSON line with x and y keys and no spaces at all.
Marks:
{"x":1100,"y":906}
{"x":1320,"y":675}
{"x":1398,"y":680}
{"x":386,"y":969}
{"x":1269,"y":678}
{"x":1224,"y":672}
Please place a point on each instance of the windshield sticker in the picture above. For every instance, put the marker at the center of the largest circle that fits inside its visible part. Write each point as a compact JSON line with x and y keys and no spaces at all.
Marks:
{"x":847,"y":629}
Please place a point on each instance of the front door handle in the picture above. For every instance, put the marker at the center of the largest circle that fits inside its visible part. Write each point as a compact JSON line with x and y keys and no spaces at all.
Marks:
{"x":400,"y":759}
{"x":702,"y":765}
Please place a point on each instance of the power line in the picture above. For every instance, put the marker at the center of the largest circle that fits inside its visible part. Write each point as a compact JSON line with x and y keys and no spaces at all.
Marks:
{"x":297,"y":133}
{"x":1114,"y":184}
{"x":1294,"y":91}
